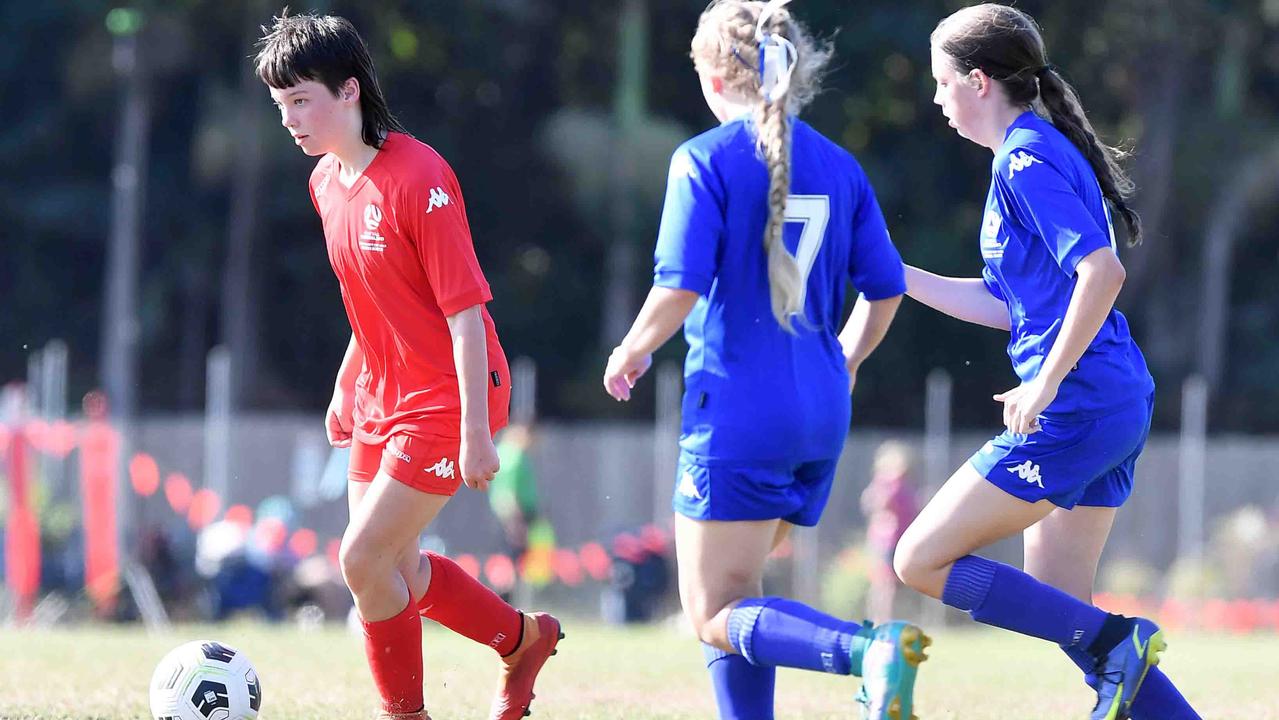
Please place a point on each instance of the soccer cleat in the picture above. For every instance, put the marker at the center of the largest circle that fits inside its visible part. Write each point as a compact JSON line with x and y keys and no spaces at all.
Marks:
{"x":1123,"y":669}
{"x":889,"y":666}
{"x":542,"y":634}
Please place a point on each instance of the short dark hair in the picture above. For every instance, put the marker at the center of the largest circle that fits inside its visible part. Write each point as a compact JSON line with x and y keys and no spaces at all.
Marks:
{"x":328,"y":50}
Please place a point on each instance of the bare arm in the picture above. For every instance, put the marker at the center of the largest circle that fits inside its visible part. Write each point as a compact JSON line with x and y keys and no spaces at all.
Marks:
{"x":478,"y":457}
{"x":338,"y":422}
{"x":1100,"y":277}
{"x":663,"y":312}
{"x":967,"y":299}
{"x":865,"y":329}
{"x":352,"y":364}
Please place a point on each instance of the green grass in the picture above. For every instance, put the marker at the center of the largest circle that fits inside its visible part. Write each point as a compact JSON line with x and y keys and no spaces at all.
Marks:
{"x":101,"y":673}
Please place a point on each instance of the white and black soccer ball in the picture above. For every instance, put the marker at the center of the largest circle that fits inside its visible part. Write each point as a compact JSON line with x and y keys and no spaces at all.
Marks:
{"x":205,"y":680}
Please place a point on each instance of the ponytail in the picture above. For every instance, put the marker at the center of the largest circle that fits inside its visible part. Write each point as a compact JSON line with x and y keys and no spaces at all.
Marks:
{"x":1067,"y":115}
{"x":773,"y":125}
{"x":760,"y":50}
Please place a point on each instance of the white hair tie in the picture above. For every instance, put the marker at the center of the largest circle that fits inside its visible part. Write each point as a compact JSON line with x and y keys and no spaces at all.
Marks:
{"x":777,"y":56}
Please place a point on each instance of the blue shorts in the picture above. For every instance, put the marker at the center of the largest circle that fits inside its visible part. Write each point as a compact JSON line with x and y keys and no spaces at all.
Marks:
{"x":796,"y":493}
{"x":1088,"y":462}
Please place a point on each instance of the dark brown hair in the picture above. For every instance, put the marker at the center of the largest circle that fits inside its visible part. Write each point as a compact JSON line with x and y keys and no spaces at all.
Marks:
{"x":1005,"y":43}
{"x":328,"y":50}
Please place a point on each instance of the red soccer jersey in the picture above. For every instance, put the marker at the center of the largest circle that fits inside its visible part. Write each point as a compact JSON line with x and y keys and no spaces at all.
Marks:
{"x":401,"y":247}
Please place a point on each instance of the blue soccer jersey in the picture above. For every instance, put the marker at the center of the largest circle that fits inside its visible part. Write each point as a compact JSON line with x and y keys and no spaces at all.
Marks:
{"x":753,"y":392}
{"x":1044,"y":213}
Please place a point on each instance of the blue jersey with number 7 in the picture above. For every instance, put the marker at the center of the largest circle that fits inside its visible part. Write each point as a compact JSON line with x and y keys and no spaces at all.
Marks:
{"x":753,"y":392}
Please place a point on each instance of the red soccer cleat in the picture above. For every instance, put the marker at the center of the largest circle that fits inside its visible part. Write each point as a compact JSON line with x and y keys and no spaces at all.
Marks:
{"x":515,"y":685}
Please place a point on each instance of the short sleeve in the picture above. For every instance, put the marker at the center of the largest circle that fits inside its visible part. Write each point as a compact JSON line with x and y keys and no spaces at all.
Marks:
{"x":1045,"y":203}
{"x":690,"y":234}
{"x":437,"y":218}
{"x":874,"y":265}
{"x":991,"y":284}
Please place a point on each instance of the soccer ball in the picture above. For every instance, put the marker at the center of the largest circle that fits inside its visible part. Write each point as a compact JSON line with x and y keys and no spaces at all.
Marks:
{"x":205,"y":680}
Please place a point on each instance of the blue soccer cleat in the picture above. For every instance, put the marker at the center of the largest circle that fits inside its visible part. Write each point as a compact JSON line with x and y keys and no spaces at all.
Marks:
{"x":889,"y":665}
{"x":1121,"y":672}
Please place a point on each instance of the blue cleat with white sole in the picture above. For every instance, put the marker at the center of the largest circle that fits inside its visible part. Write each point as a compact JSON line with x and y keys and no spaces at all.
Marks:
{"x":1123,"y":669}
{"x":889,"y":665}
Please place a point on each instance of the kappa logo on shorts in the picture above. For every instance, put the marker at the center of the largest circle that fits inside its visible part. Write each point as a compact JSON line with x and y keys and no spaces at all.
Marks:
{"x":1020,"y":161}
{"x":688,"y":488}
{"x":443,"y":468}
{"x":1029,"y":472}
{"x":400,"y":454}
{"x":439,"y":198}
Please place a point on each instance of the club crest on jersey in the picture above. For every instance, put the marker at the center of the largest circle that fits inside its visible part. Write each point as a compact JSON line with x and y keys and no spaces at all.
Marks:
{"x":1020,"y":160}
{"x":370,"y":239}
{"x":991,"y":246}
{"x":439,"y":199}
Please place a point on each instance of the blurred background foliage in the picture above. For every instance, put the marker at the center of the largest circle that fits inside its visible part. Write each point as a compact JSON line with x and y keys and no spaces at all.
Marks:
{"x":559,"y":119}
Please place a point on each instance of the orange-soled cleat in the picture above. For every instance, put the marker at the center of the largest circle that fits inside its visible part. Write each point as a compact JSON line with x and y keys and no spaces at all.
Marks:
{"x":515,"y":685}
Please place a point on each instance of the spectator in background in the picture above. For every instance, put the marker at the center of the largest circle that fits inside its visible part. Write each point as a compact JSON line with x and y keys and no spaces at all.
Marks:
{"x":513,"y":491}
{"x":890,"y":502}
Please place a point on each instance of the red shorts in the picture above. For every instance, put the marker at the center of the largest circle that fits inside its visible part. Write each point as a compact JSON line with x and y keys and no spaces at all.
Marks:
{"x":427,"y":464}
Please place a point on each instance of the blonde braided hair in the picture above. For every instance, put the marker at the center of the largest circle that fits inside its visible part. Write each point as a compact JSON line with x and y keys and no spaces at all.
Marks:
{"x":725,"y":45}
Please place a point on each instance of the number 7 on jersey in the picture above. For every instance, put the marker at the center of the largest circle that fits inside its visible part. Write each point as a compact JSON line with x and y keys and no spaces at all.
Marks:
{"x":814,"y":212}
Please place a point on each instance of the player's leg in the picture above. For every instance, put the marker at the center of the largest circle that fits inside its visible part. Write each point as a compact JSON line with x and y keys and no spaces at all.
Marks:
{"x":743,"y":690}
{"x":1063,"y":550}
{"x":969,"y":513}
{"x":387,"y":519}
{"x":362,"y":468}
{"x":444,"y":592}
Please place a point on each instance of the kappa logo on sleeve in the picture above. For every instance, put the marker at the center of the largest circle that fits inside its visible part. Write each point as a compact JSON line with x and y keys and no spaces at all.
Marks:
{"x":682,"y":167}
{"x":1020,"y":161}
{"x":439,"y":199}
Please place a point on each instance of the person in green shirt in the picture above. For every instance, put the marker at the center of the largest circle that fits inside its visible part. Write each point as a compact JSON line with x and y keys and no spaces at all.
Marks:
{"x":513,"y":491}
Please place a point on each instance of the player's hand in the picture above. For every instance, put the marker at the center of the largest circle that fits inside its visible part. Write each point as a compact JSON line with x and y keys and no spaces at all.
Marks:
{"x":478,"y":458}
{"x":337,"y":421}
{"x":852,"y":378}
{"x":1023,"y":404}
{"x":623,"y":370}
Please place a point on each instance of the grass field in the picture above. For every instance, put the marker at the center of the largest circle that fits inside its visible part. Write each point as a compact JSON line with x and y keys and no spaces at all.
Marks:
{"x":101,"y":673}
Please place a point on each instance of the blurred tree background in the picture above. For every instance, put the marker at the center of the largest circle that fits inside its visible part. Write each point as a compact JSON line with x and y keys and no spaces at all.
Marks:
{"x":559,"y":119}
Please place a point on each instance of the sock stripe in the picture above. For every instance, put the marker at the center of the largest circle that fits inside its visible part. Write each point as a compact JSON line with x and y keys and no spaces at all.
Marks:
{"x":969,"y":582}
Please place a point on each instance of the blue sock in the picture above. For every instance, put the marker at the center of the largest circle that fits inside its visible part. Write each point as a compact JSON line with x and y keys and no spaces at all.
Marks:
{"x":1157,"y":699}
{"x":1003,"y":596}
{"x":780,"y":632}
{"x":742,"y":691}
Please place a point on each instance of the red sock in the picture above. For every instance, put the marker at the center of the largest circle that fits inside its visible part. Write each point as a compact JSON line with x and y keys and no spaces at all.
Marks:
{"x":466,"y":606}
{"x":394,"y":649}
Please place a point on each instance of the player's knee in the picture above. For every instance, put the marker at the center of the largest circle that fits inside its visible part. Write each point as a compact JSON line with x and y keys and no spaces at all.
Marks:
{"x":910,"y":563}
{"x":359,"y":564}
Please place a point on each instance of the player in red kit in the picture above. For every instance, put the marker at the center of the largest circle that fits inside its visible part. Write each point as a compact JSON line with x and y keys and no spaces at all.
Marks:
{"x":424,"y":383}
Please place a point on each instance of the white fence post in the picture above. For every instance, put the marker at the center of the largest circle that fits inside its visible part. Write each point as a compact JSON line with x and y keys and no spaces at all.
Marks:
{"x":1191,"y":466}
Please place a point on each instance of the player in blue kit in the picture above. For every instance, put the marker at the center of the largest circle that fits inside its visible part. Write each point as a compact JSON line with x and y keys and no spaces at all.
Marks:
{"x":1079,"y":419}
{"x":765,"y":223}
